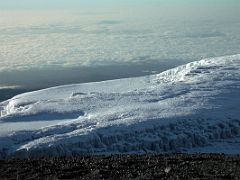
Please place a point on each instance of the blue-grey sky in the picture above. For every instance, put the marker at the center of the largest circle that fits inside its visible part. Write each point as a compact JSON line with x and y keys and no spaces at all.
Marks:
{"x":74,"y":4}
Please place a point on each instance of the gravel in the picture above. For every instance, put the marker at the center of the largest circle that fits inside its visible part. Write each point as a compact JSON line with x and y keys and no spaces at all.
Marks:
{"x":168,"y":166}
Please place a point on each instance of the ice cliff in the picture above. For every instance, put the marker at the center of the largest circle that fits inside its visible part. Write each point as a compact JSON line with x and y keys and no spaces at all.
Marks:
{"x":194,"y":106}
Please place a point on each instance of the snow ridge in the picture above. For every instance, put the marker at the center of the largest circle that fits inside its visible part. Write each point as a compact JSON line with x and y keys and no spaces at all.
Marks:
{"x":179,"y":110}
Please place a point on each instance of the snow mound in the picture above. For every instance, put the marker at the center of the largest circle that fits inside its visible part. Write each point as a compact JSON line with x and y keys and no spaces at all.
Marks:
{"x":189,"y":107}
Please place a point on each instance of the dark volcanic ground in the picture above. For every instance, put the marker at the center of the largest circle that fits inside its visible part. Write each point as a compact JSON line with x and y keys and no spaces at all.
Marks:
{"x":176,"y":166}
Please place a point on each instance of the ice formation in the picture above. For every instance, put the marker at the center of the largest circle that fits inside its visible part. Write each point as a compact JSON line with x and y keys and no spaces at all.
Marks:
{"x":190,"y":107}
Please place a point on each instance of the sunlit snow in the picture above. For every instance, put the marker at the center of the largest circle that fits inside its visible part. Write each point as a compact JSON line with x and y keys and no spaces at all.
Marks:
{"x":192,"y":106}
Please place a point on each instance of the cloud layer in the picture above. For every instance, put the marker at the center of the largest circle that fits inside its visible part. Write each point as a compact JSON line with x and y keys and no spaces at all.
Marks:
{"x":58,"y":40}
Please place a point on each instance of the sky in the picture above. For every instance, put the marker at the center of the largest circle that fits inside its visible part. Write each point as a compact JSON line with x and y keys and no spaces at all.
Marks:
{"x":58,"y":35}
{"x":75,"y":4}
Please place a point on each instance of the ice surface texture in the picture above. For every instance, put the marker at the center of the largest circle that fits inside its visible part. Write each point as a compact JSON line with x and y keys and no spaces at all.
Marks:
{"x":193,"y":106}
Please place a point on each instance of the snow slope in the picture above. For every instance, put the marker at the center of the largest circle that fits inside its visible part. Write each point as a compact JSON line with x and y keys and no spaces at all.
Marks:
{"x":192,"y":107}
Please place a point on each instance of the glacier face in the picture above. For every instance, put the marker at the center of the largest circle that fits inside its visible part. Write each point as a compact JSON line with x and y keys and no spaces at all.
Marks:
{"x":183,"y":109}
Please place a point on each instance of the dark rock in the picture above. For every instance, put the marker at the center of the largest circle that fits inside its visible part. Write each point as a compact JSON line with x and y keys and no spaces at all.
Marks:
{"x":174,"y":166}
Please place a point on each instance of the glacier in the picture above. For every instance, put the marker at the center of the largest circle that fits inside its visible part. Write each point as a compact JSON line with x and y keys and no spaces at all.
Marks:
{"x":190,"y":108}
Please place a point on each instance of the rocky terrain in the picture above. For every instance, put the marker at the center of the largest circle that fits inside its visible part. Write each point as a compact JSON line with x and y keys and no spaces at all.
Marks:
{"x":175,"y":166}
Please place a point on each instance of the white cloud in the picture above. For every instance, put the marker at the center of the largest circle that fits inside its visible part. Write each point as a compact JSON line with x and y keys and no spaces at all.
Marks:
{"x":40,"y":40}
